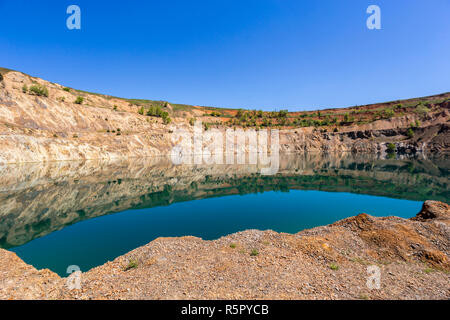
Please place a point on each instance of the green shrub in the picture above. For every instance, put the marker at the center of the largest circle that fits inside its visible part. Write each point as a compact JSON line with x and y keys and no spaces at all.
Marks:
{"x":388,"y":113}
{"x":233,"y":245}
{"x":410,"y":133}
{"x":115,"y":108}
{"x":391,"y":155}
{"x":282,"y":114}
{"x":254,"y":252}
{"x":39,"y":90}
{"x":131,"y":265}
{"x":334,"y":266}
{"x":240,"y":113}
{"x":79,"y":100}
{"x":192,"y":121}
{"x":166,"y":118}
{"x":66,"y":89}
{"x":1,"y":77}
{"x":391,"y":147}
{"x":347,"y":118}
{"x":141,"y":111}
{"x":428,"y":270}
{"x":156,"y":111}
{"x":421,"y":109}
{"x":24,"y":88}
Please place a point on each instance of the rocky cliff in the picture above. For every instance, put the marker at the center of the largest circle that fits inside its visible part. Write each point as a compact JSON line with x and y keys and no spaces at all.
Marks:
{"x":43,"y":121}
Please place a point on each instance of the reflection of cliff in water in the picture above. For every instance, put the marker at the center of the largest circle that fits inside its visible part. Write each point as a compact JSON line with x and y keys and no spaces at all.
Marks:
{"x":37,"y":199}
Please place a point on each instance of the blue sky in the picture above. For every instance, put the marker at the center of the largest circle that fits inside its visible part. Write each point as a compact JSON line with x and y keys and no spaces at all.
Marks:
{"x":261,"y":54}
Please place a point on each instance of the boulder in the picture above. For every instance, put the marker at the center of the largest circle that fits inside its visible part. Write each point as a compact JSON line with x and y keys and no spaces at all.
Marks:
{"x":433,"y":210}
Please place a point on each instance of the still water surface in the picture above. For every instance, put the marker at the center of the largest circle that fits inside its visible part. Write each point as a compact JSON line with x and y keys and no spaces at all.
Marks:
{"x":86,"y":213}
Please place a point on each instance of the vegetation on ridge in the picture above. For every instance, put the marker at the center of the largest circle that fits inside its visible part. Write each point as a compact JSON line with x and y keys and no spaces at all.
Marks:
{"x":325,"y":120}
{"x":39,"y":90}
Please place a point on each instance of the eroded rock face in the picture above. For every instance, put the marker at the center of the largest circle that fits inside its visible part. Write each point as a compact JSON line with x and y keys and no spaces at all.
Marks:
{"x":39,"y":128}
{"x":328,"y":262}
{"x":433,"y":210}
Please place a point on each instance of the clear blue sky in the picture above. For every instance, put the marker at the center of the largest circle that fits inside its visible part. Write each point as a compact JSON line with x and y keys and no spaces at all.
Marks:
{"x":264,"y":54}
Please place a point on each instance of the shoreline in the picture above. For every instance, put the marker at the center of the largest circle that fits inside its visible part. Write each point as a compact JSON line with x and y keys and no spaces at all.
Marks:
{"x":326,"y":262}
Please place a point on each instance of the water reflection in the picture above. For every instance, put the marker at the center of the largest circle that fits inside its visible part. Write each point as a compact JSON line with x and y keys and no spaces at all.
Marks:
{"x":38,"y":199}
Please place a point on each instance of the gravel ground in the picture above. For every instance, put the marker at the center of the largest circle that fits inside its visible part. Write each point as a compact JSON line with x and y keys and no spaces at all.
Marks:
{"x":328,"y":262}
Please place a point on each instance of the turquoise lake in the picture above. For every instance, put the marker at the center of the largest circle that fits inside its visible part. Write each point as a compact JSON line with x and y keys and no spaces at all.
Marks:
{"x":85,"y":214}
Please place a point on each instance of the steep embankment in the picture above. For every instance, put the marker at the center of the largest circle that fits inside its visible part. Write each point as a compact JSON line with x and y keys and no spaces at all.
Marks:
{"x":41,"y":121}
{"x":328,"y":262}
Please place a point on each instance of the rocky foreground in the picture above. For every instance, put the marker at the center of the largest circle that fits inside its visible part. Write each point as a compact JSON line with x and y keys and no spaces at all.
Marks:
{"x":328,"y":262}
